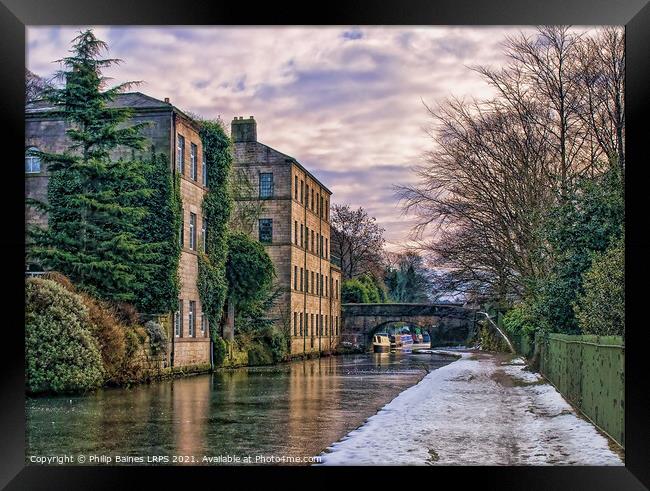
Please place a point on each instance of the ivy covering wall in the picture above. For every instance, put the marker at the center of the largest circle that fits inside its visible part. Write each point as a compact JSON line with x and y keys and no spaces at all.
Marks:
{"x":217,"y":207}
{"x":161,"y":228}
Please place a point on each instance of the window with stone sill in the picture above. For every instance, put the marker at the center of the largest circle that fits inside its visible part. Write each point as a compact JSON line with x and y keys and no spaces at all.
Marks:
{"x":178,"y":320}
{"x":266,"y":230}
{"x":266,"y":185}
{"x":194,"y":161}
{"x":180,"y":154}
{"x":32,"y":162}
{"x":192,"y":231}
{"x":204,"y":169}
{"x":192,"y":319}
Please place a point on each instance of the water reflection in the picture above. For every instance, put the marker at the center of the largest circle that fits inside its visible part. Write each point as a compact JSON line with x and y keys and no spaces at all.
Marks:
{"x":295,"y":409}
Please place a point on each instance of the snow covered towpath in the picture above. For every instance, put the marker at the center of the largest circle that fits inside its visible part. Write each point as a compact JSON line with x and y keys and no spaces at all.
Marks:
{"x":483,"y":409}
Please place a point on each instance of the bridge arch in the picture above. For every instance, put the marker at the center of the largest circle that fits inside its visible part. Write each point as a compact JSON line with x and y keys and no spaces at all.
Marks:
{"x":447,"y":323}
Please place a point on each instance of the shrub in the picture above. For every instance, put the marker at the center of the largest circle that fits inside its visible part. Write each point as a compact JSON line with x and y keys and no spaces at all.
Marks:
{"x":259,"y":354}
{"x":109,"y":334}
{"x":220,"y":350}
{"x":157,"y":338}
{"x":132,"y":367}
{"x":354,"y":291}
{"x":520,"y":320}
{"x":601,"y":308}
{"x":490,"y":341}
{"x":126,"y":313}
{"x":61,"y":355}
{"x":279,"y":345}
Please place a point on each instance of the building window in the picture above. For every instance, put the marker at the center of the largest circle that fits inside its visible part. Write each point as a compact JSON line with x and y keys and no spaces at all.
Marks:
{"x":337,"y":325}
{"x":266,"y":185}
{"x":302,"y":191}
{"x":312,"y":282}
{"x":312,"y":241}
{"x":313,"y":327}
{"x":327,"y":211}
{"x":295,"y":186}
{"x":320,"y":326}
{"x":326,"y":326}
{"x":307,"y":193}
{"x":301,"y":323}
{"x":32,"y":162}
{"x":295,"y":323}
{"x":180,"y":154}
{"x":204,"y":169}
{"x":181,"y":232}
{"x":178,"y":320}
{"x":192,"y":319}
{"x":266,"y":230}
{"x":326,"y":289}
{"x":337,"y":289}
{"x":204,"y":324}
{"x":322,"y":251}
{"x":318,"y":204}
{"x":312,"y":199}
{"x":301,"y":275}
{"x":321,"y":211}
{"x":295,"y":277}
{"x":317,"y":283}
{"x":307,"y":281}
{"x":204,"y":234}
{"x":317,"y":241}
{"x":331,"y":286}
{"x":193,"y":231}
{"x":327,"y":249}
{"x":194,"y":163}
{"x":302,"y":240}
{"x":295,"y":232}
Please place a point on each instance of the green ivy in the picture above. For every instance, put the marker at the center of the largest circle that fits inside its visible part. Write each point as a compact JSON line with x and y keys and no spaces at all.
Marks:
{"x":161,"y":227}
{"x":217,"y":208}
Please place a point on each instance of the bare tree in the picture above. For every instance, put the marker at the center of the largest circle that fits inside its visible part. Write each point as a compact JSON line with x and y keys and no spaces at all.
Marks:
{"x":498,"y":165}
{"x":602,"y":84}
{"x":248,"y":205}
{"x":357,"y":240}
{"x":35,"y":86}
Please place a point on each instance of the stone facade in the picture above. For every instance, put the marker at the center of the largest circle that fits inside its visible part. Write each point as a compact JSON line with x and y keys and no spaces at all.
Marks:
{"x":164,"y":123}
{"x":298,"y":240}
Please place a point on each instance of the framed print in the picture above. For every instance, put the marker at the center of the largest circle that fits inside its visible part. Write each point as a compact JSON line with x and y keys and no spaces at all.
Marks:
{"x":391,"y":241}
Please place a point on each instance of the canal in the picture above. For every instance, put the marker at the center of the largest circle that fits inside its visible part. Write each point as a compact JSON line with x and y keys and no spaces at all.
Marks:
{"x":295,"y":409}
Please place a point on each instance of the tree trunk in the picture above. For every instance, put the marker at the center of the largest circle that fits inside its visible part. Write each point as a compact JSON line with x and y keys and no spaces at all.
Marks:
{"x":229,"y":328}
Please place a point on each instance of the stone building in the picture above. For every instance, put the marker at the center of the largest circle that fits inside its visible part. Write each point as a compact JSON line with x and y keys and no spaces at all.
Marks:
{"x":175,"y":134}
{"x":294,"y":227}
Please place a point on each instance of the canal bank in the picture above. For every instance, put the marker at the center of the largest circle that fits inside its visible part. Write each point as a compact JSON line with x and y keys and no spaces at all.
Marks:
{"x":484,"y":409}
{"x":293,"y":409}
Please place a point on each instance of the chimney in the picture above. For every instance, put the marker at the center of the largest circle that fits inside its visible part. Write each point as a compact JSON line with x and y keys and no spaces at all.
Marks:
{"x":167,"y":100}
{"x":243,"y":130}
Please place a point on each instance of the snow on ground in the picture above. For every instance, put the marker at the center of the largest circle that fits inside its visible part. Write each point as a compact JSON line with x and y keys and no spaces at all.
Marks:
{"x":475,"y":411}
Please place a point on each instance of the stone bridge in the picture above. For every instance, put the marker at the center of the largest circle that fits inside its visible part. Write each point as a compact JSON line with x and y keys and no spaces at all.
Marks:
{"x":447,"y":324}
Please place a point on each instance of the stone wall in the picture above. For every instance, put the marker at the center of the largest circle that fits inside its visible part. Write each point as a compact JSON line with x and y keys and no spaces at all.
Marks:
{"x":189,"y":350}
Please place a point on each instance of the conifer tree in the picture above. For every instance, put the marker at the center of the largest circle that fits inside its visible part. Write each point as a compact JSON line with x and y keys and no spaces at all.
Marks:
{"x":94,"y":199}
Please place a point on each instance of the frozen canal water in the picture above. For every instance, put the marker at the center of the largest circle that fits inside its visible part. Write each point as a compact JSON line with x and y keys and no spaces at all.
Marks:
{"x":483,"y":409}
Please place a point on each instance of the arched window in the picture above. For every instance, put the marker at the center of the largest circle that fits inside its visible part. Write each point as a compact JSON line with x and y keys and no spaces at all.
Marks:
{"x":32,"y":162}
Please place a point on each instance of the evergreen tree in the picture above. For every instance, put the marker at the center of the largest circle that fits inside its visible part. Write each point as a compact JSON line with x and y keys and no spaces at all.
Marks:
{"x":94,"y":200}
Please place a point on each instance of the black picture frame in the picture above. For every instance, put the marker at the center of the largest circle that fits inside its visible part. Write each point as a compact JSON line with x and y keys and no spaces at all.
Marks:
{"x":634,"y":14}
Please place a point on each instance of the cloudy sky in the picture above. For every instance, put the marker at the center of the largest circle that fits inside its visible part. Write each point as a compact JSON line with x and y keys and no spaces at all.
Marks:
{"x":346,"y":102}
